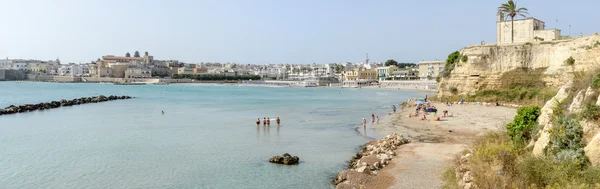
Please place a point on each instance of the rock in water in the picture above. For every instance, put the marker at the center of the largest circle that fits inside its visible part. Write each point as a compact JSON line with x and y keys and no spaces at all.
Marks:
{"x":285,"y":159}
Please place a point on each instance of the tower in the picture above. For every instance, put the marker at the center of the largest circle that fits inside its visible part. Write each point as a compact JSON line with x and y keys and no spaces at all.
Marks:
{"x":499,"y":21}
{"x":367,"y":61}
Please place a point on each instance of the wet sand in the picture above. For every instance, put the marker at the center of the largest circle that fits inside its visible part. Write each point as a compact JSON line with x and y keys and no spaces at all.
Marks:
{"x":420,"y":164}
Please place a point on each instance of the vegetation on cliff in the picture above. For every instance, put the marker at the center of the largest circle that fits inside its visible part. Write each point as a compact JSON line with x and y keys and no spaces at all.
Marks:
{"x":451,"y":61}
{"x":503,"y":159}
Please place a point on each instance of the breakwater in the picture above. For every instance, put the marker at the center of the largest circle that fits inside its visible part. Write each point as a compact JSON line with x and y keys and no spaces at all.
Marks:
{"x":12,"y":109}
{"x":371,"y":158}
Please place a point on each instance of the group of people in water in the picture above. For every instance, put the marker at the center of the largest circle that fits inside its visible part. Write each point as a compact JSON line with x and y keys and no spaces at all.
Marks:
{"x":373,"y":118}
{"x":267,"y":121}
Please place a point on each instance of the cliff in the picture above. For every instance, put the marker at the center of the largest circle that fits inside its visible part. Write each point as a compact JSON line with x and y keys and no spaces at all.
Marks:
{"x":542,"y":64}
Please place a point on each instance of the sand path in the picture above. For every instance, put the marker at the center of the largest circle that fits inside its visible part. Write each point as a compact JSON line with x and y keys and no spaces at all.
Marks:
{"x":421,"y":163}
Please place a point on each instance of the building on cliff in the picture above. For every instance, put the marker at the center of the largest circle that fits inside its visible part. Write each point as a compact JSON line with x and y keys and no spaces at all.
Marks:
{"x":525,"y":30}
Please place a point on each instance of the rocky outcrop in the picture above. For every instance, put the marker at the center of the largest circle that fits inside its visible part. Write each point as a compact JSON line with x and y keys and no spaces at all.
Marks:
{"x":12,"y":109}
{"x":592,"y":150}
{"x":372,"y":157}
{"x":285,"y":159}
{"x":538,"y":64}
{"x":463,"y":172}
{"x":545,"y":118}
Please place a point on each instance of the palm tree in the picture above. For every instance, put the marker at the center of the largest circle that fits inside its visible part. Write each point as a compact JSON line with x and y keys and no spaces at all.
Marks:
{"x":510,"y":9}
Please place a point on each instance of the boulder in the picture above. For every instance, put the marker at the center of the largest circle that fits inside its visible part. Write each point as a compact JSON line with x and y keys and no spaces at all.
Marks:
{"x":285,"y":159}
{"x":577,"y":104}
{"x":592,"y":150}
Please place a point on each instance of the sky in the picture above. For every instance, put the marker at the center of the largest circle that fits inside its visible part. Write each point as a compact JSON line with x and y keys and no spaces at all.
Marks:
{"x":266,"y":31}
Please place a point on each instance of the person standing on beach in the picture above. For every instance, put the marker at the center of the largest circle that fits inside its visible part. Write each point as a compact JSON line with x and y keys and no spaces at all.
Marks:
{"x":372,"y":118}
{"x":394,"y":108}
{"x":377,"y":119}
{"x":364,"y":123}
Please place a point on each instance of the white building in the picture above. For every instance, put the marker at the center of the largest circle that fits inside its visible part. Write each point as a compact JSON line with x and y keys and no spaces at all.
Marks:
{"x":19,"y":65}
{"x":71,"y":69}
{"x":5,"y":64}
{"x":525,"y":30}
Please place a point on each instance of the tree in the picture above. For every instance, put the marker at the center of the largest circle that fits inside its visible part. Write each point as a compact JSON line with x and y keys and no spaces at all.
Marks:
{"x":391,"y":62}
{"x":406,"y":65}
{"x":510,"y":9}
{"x":127,"y":55}
{"x":136,"y":54}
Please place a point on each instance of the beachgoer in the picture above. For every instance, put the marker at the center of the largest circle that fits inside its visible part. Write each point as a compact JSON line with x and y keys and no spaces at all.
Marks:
{"x":364,"y":122}
{"x":445,"y":113}
{"x":264,"y":121}
{"x":258,"y":122}
{"x":424,"y":118}
{"x":278,"y":121}
{"x":461,"y":101}
{"x":377,"y":119}
{"x":425,"y":98}
{"x":394,"y":108}
{"x":163,"y":112}
{"x":268,"y":121}
{"x":372,"y":118}
{"x":497,"y":104}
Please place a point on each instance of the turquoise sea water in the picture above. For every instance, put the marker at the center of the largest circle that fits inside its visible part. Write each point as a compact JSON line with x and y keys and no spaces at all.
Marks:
{"x":207,"y":137}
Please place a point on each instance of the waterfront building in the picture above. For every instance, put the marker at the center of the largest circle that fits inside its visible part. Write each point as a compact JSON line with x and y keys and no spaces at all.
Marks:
{"x":138,"y":72}
{"x":185,"y":70}
{"x":5,"y":64}
{"x":525,"y":30}
{"x":384,"y":73}
{"x":71,"y":69}
{"x":361,"y":74}
{"x":430,"y":69}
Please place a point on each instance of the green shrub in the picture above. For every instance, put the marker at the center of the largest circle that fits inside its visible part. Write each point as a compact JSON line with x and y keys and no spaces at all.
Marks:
{"x":591,"y":111}
{"x":464,"y":58}
{"x":596,"y":81}
{"x":453,"y":58}
{"x":520,"y":130}
{"x":566,"y":140}
{"x":528,"y":43}
{"x":570,"y":61}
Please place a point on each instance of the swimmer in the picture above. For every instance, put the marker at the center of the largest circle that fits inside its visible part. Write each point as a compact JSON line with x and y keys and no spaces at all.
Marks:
{"x":278,"y":121}
{"x":258,"y":122}
{"x":268,"y":121}
{"x":364,"y":123}
{"x":163,"y":112}
{"x":264,"y":121}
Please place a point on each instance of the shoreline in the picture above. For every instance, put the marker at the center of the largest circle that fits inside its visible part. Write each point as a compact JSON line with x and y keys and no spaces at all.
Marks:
{"x":433,"y":144}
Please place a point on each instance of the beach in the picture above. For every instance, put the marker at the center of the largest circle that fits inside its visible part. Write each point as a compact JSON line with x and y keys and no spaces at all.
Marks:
{"x":433,"y":144}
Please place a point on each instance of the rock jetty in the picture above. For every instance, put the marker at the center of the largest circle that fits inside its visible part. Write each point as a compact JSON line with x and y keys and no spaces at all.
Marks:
{"x":12,"y":109}
{"x":286,"y":159}
{"x":372,"y":157}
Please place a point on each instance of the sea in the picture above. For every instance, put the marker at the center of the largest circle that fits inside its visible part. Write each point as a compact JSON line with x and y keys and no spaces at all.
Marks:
{"x":206,"y":138}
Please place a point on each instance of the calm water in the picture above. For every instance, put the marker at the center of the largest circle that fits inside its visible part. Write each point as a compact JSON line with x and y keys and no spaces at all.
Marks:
{"x":206,"y":139}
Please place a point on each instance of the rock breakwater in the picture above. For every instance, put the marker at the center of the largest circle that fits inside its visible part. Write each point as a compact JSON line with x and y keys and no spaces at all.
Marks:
{"x":12,"y":109}
{"x":372,"y":157}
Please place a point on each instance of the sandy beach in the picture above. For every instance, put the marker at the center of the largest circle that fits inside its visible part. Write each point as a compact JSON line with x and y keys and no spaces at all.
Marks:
{"x":420,"y":163}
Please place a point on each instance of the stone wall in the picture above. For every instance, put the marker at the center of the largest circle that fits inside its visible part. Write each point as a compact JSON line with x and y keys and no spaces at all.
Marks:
{"x":542,"y":63}
{"x":11,"y":75}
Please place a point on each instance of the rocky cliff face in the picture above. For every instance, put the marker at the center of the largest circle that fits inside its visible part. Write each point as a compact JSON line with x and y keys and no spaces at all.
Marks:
{"x":500,"y":66}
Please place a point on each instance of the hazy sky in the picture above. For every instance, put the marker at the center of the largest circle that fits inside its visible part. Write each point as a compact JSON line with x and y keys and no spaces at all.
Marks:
{"x":266,"y":31}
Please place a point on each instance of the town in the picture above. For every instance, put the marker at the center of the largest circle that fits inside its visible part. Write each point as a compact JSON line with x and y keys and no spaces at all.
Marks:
{"x":144,"y":68}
